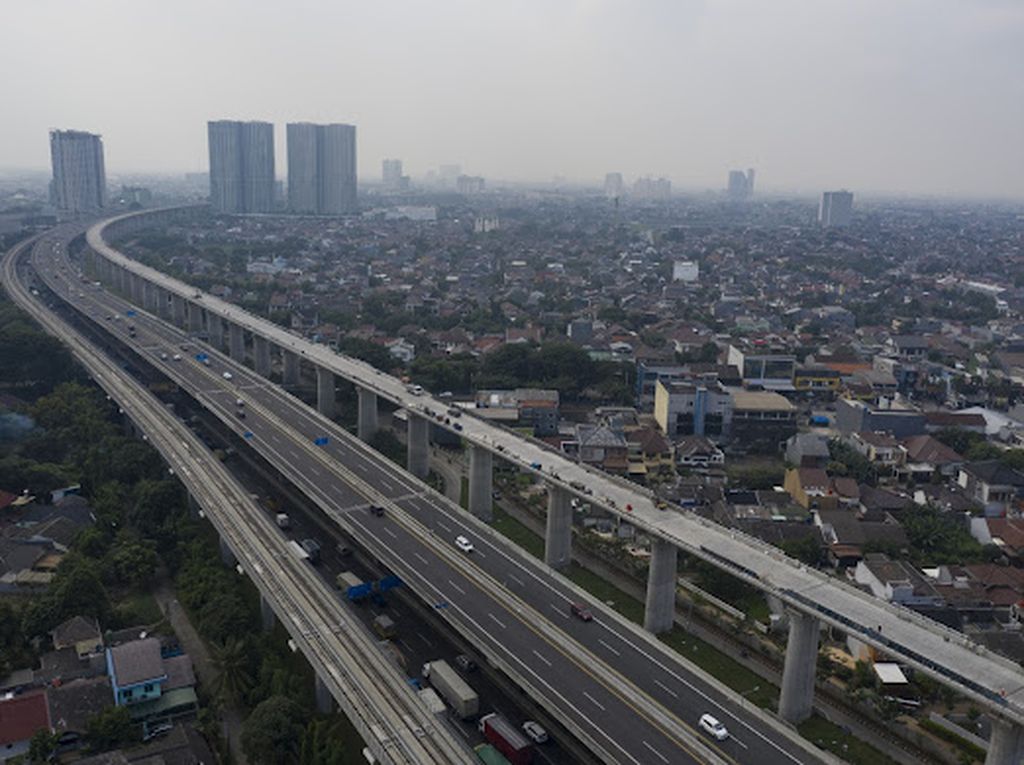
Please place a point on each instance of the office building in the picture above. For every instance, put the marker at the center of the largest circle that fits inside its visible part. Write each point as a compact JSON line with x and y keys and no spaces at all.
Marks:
{"x":614,"y":187}
{"x":652,"y":188}
{"x":321,"y":168}
{"x":741,"y":185}
{"x":241,"y":166}
{"x":79,"y":178}
{"x":469,"y":184}
{"x":391,"y":174}
{"x":836,"y":208}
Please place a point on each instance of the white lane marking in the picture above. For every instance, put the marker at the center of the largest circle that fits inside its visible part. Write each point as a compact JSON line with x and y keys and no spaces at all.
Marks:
{"x":662,"y":757}
{"x":667,"y":690}
{"x":497,"y":621}
{"x":542,"y":658}
{"x":560,"y":610}
{"x":457,"y":588}
{"x":597,"y":703}
{"x":313,"y":469}
{"x":444,"y":526}
{"x":361,"y":467}
{"x":423,"y":637}
{"x":421,"y":559}
{"x":738,"y":741}
{"x":390,"y":533}
{"x":610,"y":648}
{"x":517,"y":580}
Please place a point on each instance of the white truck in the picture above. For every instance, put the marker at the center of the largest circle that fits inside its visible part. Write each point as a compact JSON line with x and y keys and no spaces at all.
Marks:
{"x":454,"y":689}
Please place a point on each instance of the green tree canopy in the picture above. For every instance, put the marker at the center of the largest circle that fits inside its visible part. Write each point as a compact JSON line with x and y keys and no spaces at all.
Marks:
{"x":273,"y":732}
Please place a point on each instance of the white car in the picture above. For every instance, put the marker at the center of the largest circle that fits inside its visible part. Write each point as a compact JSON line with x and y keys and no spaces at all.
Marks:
{"x":227,"y":375}
{"x":463,"y":544}
{"x":536,"y":733}
{"x":712,"y":726}
{"x":177,"y":357}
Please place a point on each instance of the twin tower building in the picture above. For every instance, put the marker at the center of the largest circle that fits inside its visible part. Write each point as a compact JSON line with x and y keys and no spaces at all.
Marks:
{"x":321,"y":168}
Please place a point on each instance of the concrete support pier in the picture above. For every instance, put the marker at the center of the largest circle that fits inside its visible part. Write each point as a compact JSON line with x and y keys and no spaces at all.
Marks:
{"x":366,"y":421}
{"x":236,"y":343}
{"x":195,"y":318}
{"x":1005,"y":744}
{"x":660,"y":604}
{"x":152,"y":297}
{"x":178,"y":311}
{"x":216,"y":330}
{"x":481,"y":482}
{"x":324,"y":699}
{"x":226,"y":554}
{"x":326,"y":400}
{"x":289,"y":368}
{"x":261,"y":355}
{"x":418,"y":446}
{"x":796,"y":701}
{"x":163,"y":304}
{"x":558,"y":529}
{"x":137,"y":294}
{"x":267,"y":616}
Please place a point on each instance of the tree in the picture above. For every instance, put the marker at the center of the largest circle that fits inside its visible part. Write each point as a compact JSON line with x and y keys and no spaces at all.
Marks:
{"x":131,"y":561}
{"x":109,"y":729}
{"x":231,"y":660}
{"x":806,"y":549}
{"x":42,"y":746}
{"x":273,"y":732}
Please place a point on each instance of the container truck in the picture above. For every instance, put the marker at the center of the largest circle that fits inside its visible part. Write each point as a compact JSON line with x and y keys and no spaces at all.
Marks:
{"x":453,"y":688}
{"x":312,"y":548}
{"x":508,"y":739}
{"x":355,"y":589}
{"x":385,"y":626}
{"x":298,"y":550}
{"x":432,"y":701}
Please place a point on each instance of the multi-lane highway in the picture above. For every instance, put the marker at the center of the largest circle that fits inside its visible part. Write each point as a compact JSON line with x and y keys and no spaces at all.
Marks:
{"x":391,"y":719}
{"x":619,"y":690}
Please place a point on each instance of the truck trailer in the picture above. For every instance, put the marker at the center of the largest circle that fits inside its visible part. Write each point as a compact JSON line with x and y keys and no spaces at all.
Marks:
{"x":508,"y":739}
{"x":454,"y":689}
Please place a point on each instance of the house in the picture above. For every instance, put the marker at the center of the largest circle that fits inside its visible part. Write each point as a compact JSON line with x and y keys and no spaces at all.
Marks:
{"x":73,"y":703}
{"x":698,"y":452}
{"x":807,"y":450}
{"x":992,"y":484}
{"x":811,"y":488}
{"x":880,"y":449}
{"x":817,"y":379}
{"x":136,"y":671}
{"x":602,"y":447}
{"x":895,"y":581}
{"x":20,"y":718}
{"x":926,"y":456}
{"x":761,"y":420}
{"x":847,"y":534}
{"x":79,"y":633}
{"x":1005,"y":533}
{"x":649,"y":452}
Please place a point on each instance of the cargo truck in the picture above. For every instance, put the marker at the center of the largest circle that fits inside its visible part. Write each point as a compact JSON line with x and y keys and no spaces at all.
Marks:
{"x":385,"y":626}
{"x":488,"y":755}
{"x":508,"y":739}
{"x":446,"y":681}
{"x":431,"y":700}
{"x":355,"y":589}
{"x":312,"y":548}
{"x":283,"y":521}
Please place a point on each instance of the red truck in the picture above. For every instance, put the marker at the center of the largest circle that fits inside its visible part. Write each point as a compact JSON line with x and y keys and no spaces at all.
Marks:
{"x":507,"y":739}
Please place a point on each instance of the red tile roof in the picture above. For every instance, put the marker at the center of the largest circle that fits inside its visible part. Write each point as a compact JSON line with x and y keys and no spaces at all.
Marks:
{"x":22,"y":716}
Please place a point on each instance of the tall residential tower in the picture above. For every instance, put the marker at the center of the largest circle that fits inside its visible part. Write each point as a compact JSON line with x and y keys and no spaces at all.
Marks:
{"x":321,"y":168}
{"x":79,"y":177}
{"x":836,"y":209}
{"x":241,"y":166}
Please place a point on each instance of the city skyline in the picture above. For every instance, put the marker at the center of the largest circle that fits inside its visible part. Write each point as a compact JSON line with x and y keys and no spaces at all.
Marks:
{"x":882,"y":107}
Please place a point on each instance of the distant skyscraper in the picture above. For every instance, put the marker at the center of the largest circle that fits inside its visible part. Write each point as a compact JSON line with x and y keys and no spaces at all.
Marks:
{"x":652,"y":188}
{"x":836,"y":208}
{"x":79,"y":177}
{"x":613,"y":185}
{"x":241,"y":166}
{"x":321,"y":168}
{"x":741,"y":185}
{"x":391,"y":172}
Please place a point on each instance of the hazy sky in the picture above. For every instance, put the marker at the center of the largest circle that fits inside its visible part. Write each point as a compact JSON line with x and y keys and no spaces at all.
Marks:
{"x":887,"y":95}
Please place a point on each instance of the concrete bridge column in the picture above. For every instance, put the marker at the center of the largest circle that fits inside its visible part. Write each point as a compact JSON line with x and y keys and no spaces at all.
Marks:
{"x":558,"y":529}
{"x":481,"y":482}
{"x":267,"y":616}
{"x":796,"y":701}
{"x":164,"y":303}
{"x":1005,"y":743}
{"x":326,"y":398}
{"x":660,"y":604}
{"x":122,"y":281}
{"x":215,"y":329}
{"x":195,"y":318}
{"x":227,"y":555}
{"x":236,"y":343}
{"x":138,"y":296}
{"x":289,"y":368}
{"x":178,"y":311}
{"x":324,"y":699}
{"x":261,"y":355}
{"x":418,"y":445}
{"x":366,"y":420}
{"x":150,"y":297}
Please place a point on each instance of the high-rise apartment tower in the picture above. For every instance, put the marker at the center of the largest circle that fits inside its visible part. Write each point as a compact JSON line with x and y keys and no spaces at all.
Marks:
{"x":321,"y":168}
{"x":241,"y":166}
{"x":79,"y":176}
{"x":836,"y":208}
